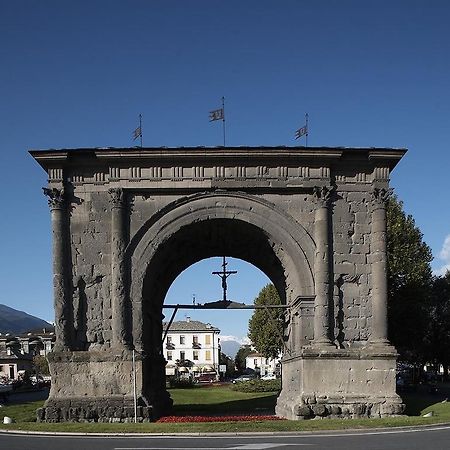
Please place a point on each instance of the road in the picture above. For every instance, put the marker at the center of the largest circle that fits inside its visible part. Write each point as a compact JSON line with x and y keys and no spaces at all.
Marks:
{"x":436,"y":438}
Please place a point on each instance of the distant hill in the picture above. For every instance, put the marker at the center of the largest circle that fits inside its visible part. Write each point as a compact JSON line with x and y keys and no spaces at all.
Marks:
{"x":230,"y":347}
{"x":14,"y":321}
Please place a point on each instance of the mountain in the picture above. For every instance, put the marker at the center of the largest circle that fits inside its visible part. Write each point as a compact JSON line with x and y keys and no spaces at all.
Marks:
{"x":16,"y":322}
{"x":230,"y":347}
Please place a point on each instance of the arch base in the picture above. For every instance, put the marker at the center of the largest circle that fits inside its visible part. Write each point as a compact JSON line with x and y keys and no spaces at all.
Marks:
{"x":98,"y":387}
{"x":339,"y":384}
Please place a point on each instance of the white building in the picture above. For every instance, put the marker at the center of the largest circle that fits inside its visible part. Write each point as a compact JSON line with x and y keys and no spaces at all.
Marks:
{"x":261,"y":364}
{"x":17,"y":351}
{"x":194,"y":341}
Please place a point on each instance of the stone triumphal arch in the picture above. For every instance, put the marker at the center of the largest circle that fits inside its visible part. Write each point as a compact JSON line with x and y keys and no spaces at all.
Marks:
{"x":126,"y":222}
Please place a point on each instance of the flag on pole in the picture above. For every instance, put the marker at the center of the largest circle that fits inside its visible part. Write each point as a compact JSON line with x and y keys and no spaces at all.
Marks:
{"x":217,"y":114}
{"x":137,"y":133}
{"x":301,"y":132}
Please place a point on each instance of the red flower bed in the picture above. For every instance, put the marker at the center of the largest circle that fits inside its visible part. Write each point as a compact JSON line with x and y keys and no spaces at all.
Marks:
{"x":248,"y":418}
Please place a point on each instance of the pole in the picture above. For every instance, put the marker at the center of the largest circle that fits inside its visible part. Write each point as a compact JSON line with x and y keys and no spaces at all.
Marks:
{"x":306,"y":117}
{"x":134,"y":385}
{"x":223,"y":119}
{"x":140,"y":127}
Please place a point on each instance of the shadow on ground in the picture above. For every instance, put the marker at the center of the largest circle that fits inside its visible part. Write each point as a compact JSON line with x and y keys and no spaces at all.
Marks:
{"x":423,"y":395}
{"x":263,"y":405}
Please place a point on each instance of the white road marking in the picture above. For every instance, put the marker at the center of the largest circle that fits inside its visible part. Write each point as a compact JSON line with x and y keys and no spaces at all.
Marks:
{"x":260,"y":446}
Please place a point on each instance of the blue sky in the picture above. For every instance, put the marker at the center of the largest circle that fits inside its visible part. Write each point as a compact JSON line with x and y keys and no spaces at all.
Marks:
{"x":77,"y":74}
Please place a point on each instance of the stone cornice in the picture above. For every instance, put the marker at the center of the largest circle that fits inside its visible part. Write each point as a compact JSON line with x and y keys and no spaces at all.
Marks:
{"x":48,"y":158}
{"x":220,"y":165}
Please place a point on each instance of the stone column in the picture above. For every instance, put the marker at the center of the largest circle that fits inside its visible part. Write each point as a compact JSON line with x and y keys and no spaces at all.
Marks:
{"x":378,"y":252}
{"x":118,"y":268}
{"x":322,"y":268}
{"x":61,"y":269}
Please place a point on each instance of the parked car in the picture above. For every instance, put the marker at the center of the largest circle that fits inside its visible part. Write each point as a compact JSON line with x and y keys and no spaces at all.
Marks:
{"x":206,"y":378}
{"x":269,"y":376}
{"x":245,"y":377}
{"x":5,"y":390}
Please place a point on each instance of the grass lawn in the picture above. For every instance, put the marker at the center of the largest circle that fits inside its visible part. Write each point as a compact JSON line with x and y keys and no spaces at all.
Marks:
{"x":221,"y":400}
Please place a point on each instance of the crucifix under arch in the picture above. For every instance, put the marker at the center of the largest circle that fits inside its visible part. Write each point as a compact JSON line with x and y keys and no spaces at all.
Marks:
{"x":224,"y":274}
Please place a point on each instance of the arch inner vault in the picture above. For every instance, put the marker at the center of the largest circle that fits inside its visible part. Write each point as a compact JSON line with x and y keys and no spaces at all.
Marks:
{"x":127,"y":222}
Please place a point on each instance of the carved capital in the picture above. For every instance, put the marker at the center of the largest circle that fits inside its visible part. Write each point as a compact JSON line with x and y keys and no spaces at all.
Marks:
{"x":117,"y":197}
{"x":380,"y":196}
{"x":322,"y":196}
{"x":56,"y":198}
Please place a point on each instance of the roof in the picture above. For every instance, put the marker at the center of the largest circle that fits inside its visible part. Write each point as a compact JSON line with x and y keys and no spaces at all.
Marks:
{"x":191,"y":325}
{"x":13,"y":355}
{"x":254,"y":355}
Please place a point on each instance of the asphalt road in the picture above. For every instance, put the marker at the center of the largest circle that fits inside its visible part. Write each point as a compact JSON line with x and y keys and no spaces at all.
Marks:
{"x":434,"y":438}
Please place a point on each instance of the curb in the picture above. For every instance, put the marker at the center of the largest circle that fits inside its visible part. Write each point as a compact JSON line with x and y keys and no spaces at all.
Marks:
{"x":383,"y":430}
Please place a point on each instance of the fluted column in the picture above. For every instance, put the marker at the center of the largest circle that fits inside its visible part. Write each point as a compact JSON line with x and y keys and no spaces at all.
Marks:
{"x":378,"y":252}
{"x":322,"y":268}
{"x":118,"y":268}
{"x":61,"y":268}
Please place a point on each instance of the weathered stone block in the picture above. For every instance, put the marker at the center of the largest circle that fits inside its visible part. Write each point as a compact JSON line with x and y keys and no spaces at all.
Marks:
{"x":319,"y":410}
{"x":303,"y":410}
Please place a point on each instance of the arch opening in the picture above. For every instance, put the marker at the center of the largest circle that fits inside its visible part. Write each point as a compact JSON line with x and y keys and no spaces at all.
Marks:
{"x":189,"y":245}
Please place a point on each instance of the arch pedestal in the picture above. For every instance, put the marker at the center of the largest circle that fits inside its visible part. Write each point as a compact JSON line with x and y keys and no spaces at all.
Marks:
{"x":127,"y":223}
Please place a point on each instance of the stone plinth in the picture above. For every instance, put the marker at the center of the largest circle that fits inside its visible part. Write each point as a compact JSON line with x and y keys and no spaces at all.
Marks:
{"x":98,"y":387}
{"x":339,"y":383}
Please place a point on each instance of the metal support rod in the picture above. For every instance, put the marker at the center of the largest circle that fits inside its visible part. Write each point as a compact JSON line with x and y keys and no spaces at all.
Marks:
{"x":170,"y":322}
{"x":134,"y":385}
{"x":219,"y":306}
{"x":223,"y":119}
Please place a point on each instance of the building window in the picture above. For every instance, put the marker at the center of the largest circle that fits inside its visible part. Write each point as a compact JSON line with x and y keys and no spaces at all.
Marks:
{"x":255,"y":362}
{"x":208,"y":339}
{"x":182,"y":340}
{"x":182,"y":356}
{"x":195,"y":339}
{"x":169,"y":339}
{"x":169,"y":356}
{"x":208,"y":355}
{"x":195,"y":357}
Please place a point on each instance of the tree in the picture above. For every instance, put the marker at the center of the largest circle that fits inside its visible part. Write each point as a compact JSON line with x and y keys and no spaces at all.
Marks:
{"x":40,"y":364}
{"x":437,"y":339}
{"x":409,"y":283}
{"x":239,"y":359}
{"x":265,"y":327}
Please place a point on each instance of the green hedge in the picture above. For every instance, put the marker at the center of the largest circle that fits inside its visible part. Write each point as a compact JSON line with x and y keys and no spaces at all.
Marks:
{"x":258,"y":386}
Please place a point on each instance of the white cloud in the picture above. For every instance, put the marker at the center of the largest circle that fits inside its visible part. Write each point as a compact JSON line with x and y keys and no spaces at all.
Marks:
{"x":241,"y":340}
{"x":444,"y":254}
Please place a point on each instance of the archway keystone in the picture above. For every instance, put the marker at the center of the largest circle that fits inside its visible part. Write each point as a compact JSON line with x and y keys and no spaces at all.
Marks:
{"x":126,"y":222}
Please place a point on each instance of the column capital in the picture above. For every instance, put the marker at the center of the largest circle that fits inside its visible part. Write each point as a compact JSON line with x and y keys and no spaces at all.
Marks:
{"x":322,"y":196}
{"x":379,"y":197}
{"x":56,"y":198}
{"x":117,"y":197}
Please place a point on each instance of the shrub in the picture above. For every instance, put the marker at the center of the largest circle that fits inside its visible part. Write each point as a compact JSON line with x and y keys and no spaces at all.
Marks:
{"x":181,"y":383}
{"x":258,"y":386}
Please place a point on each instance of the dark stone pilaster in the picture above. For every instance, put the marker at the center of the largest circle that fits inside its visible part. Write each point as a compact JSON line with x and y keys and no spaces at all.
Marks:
{"x":378,"y":252}
{"x":118,"y":268}
{"x":58,"y":204}
{"x":322,"y":268}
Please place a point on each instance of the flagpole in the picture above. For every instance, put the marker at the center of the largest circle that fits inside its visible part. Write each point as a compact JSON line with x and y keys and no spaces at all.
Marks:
{"x":140,"y":126}
{"x":223,"y":119}
{"x":306,"y":117}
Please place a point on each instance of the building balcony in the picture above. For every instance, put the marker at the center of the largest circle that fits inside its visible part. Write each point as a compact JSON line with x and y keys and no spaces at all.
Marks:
{"x":170,"y":346}
{"x":196,"y":345}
